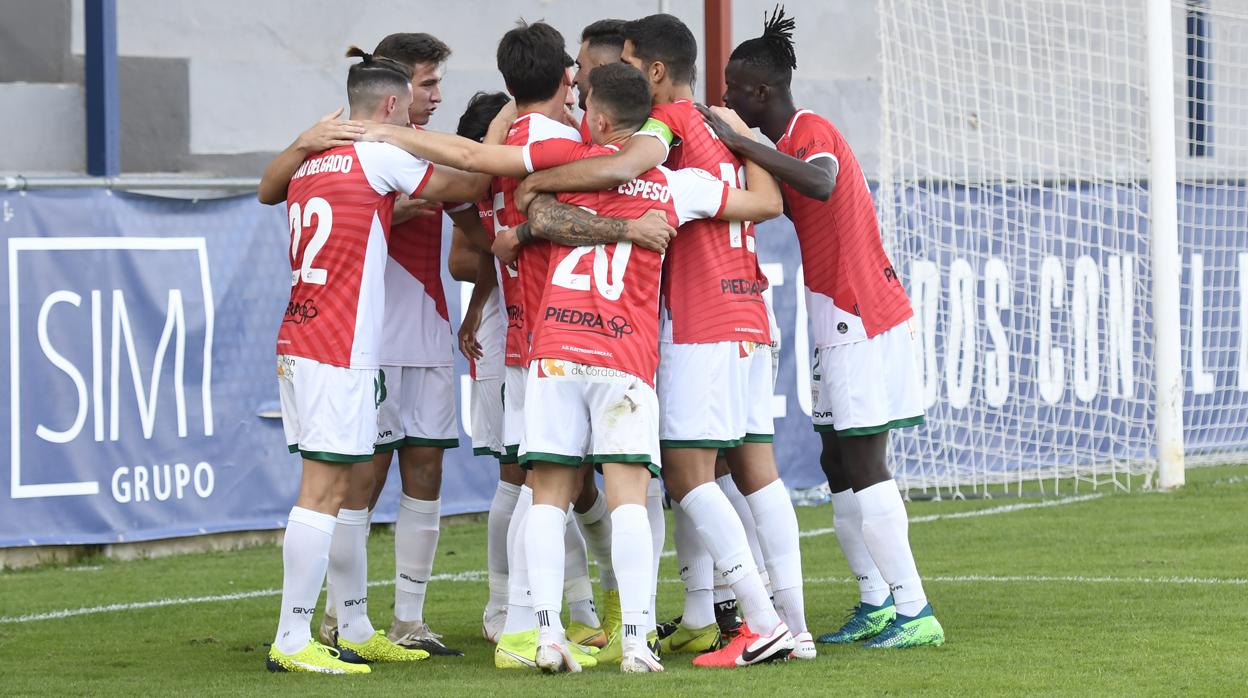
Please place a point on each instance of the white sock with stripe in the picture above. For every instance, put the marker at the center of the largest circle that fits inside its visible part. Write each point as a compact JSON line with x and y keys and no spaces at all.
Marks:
{"x":546,"y":565}
{"x":630,"y":552}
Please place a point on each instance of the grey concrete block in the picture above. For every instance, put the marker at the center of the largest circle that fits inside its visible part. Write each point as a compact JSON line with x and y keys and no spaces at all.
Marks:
{"x":50,"y":119}
{"x":155,"y":114}
{"x":35,"y":41}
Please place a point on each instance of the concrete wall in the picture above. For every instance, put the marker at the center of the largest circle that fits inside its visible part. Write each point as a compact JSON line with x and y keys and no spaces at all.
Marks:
{"x":218,"y":87}
{"x":44,"y":128}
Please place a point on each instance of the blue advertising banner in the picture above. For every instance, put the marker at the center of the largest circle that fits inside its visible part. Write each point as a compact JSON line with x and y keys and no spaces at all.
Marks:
{"x":142,"y":379}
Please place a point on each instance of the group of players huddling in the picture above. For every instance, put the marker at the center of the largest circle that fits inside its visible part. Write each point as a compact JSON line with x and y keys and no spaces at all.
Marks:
{"x":617,"y":324}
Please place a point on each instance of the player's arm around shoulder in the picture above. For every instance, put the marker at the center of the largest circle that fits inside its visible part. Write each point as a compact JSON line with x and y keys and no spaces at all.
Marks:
{"x":450,"y":184}
{"x":814,"y":178}
{"x":451,"y":150}
{"x":761,"y":199}
{"x":566,"y":224}
{"x":640,"y":154}
{"x":328,"y":132}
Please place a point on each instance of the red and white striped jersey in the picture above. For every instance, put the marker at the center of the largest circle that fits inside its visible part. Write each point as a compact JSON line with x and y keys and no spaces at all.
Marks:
{"x":339,"y":205}
{"x":492,"y":334}
{"x":417,"y":328}
{"x":522,"y":286}
{"x":714,"y":289}
{"x":852,"y":288}
{"x":600,"y":305}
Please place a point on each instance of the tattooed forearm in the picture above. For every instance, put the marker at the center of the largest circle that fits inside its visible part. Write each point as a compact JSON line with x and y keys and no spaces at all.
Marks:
{"x":566,"y":224}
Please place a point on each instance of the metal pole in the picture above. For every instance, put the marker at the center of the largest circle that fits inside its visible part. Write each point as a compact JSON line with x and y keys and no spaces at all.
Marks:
{"x":103,"y":120}
{"x":132,"y":183}
{"x":1164,"y":229}
{"x":1199,"y":77}
{"x":718,"y":47}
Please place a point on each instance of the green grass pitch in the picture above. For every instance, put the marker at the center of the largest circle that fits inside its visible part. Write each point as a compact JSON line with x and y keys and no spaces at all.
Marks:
{"x":1121,"y":594}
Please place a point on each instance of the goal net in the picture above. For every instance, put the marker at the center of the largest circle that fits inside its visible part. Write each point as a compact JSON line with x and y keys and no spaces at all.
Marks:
{"x":1014,"y":199}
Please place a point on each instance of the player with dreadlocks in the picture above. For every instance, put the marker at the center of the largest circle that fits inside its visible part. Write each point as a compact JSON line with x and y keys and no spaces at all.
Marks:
{"x":864,"y":377}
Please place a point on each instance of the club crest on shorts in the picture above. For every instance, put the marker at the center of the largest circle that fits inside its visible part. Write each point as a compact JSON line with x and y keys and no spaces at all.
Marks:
{"x":548,"y":368}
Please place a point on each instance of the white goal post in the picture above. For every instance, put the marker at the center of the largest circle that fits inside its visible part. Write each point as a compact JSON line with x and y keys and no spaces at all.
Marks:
{"x":1064,"y":190}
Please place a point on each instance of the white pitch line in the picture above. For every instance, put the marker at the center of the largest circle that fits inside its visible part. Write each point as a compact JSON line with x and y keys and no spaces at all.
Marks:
{"x":477,"y":575}
{"x":471,"y":576}
{"x":1072,"y":579}
{"x":989,"y":511}
{"x":1037,"y":579}
{"x":974,"y":513}
{"x":1080,"y":579}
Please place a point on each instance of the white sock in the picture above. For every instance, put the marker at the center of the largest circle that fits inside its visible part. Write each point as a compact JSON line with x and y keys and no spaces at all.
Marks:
{"x":885,"y":529}
{"x":630,"y":553}
{"x":519,"y":600}
{"x":415,"y":543}
{"x":546,"y":565}
{"x":596,"y":528}
{"x":722,"y":534}
{"x":305,"y":557}
{"x":776,"y":523}
{"x":847,"y":520}
{"x":658,"y":532}
{"x":697,"y":571}
{"x":578,"y":591}
{"x":738,"y":502}
{"x":348,"y":567}
{"x":501,"y":508}
{"x":331,"y":599}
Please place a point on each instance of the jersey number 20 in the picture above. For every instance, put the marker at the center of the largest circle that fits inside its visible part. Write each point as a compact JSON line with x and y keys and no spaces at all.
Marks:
{"x":608,"y":276}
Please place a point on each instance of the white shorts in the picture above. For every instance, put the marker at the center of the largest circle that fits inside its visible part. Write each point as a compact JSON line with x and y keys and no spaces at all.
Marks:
{"x":756,"y":384}
{"x":329,"y":413}
{"x":514,"y":379}
{"x":867,"y":387}
{"x":575,"y":412}
{"x":487,"y":417}
{"x":699,"y":395}
{"x":417,"y":407}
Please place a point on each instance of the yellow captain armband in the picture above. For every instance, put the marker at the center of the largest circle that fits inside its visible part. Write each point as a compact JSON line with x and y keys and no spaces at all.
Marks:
{"x":658,"y":129}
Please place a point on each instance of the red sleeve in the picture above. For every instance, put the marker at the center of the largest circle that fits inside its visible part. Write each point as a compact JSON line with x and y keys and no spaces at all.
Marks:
{"x":671,"y":115}
{"x":812,"y":136}
{"x":553,"y":152}
{"x":423,"y":181}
